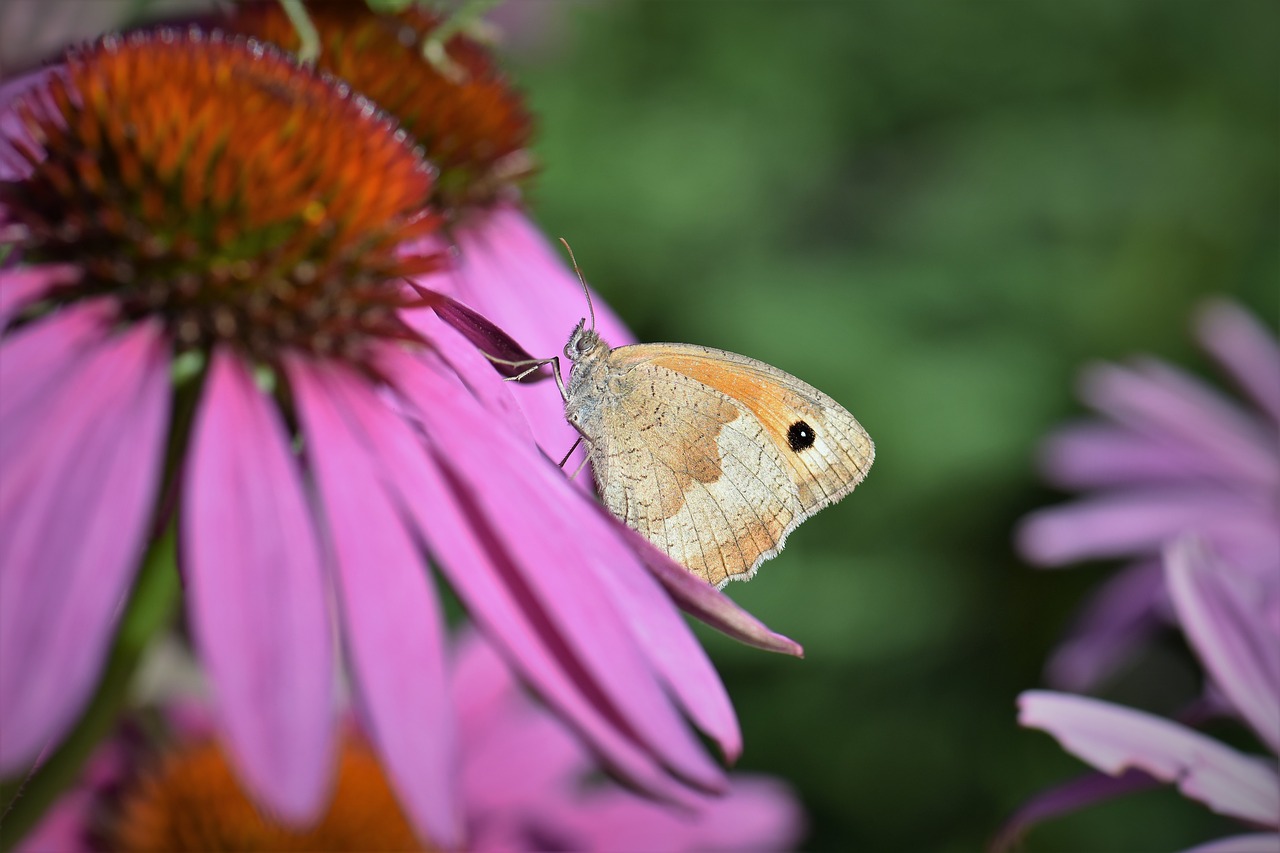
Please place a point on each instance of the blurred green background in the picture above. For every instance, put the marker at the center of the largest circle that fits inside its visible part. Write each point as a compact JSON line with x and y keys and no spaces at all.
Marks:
{"x":936,"y":212}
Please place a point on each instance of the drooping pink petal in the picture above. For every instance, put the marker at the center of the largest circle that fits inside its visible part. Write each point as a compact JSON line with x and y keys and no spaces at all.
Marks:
{"x":1139,"y":522}
{"x":1114,"y":738}
{"x":511,"y":491}
{"x":24,"y":285}
{"x":1087,"y":790}
{"x":1158,"y":400}
{"x":698,"y":598}
{"x":1119,"y":615}
{"x":1098,"y":455}
{"x":1229,"y":634}
{"x":1246,"y":348}
{"x":1258,"y":842}
{"x":75,"y":504}
{"x":481,"y":333}
{"x":257,"y":594}
{"x":509,"y":272}
{"x":474,"y":370}
{"x":393,"y":627}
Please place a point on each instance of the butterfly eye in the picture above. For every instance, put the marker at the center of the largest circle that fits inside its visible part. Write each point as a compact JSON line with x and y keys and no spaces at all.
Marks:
{"x":800,"y":436}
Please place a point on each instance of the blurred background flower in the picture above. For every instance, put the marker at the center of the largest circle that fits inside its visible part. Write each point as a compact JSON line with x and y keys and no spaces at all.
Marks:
{"x":1173,"y":456}
{"x":526,"y":783}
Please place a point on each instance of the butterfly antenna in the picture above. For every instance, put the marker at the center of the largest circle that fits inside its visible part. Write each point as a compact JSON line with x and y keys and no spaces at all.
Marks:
{"x":586,"y":291}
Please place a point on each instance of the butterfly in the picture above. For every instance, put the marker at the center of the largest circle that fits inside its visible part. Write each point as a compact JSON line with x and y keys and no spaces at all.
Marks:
{"x":712,"y":456}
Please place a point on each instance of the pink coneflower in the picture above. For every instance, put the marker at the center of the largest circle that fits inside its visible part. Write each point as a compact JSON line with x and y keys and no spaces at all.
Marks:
{"x":207,"y":326}
{"x":1173,"y":456}
{"x":503,"y":266}
{"x":524,"y":783}
{"x":1222,"y":612}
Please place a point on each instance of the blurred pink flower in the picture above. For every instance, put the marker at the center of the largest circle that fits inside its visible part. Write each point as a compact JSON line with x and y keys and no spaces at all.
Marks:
{"x":331,"y":443}
{"x":1173,"y":456}
{"x":524,"y":783}
{"x":1221,"y":610}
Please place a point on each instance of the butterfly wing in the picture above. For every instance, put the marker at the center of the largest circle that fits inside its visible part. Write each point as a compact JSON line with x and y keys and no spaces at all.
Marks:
{"x":716,"y":457}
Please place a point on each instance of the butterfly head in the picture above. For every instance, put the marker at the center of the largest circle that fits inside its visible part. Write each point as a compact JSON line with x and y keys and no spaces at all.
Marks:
{"x":584,"y":344}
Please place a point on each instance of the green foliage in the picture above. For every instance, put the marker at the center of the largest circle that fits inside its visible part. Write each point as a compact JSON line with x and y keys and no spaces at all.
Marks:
{"x":936,"y":212}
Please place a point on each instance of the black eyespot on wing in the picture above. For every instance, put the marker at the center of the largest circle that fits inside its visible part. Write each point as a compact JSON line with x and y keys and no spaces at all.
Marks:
{"x":800,"y":436}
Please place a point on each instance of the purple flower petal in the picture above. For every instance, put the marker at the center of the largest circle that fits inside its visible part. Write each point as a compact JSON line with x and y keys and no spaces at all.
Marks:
{"x":1119,"y":615}
{"x":1158,"y":400}
{"x":258,"y":594}
{"x":1246,"y":348}
{"x":1087,"y":790}
{"x":1260,"y":842}
{"x":394,"y":631}
{"x":1100,"y":455}
{"x":1114,"y":738}
{"x":1229,"y":634}
{"x":1139,"y":522}
{"x":34,"y":359}
{"x":511,"y":274}
{"x":20,"y":287}
{"x":540,"y":551}
{"x":75,"y":503}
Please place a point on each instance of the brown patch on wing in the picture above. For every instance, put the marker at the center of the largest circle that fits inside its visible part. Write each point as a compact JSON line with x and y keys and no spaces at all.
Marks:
{"x":680,"y":428}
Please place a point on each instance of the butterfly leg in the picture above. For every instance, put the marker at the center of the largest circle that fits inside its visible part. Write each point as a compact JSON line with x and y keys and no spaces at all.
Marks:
{"x":565,"y":460}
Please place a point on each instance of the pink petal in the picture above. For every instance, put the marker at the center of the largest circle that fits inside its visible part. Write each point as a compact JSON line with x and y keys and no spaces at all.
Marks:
{"x":257,"y":594}
{"x":670,"y":644}
{"x":1139,"y":522}
{"x":34,"y":359}
{"x":519,"y":625}
{"x":1158,"y":400}
{"x":700,"y":599}
{"x":20,"y":287}
{"x":1246,"y":348}
{"x":75,"y":504}
{"x":1113,"y":738}
{"x":511,"y":274}
{"x":394,"y":631}
{"x":1098,"y":455}
{"x":758,"y":813}
{"x":1261,"y":842}
{"x":1122,"y":613}
{"x":543,"y":558}
{"x":1087,"y":790}
{"x":474,"y":370}
{"x":1229,"y":634}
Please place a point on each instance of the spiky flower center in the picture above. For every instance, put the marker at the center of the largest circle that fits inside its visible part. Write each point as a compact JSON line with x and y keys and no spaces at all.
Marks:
{"x":191,"y":800}
{"x":212,"y":182}
{"x":473,"y":124}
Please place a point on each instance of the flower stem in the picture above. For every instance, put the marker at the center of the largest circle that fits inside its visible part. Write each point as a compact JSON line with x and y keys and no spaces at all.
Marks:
{"x":150,"y":608}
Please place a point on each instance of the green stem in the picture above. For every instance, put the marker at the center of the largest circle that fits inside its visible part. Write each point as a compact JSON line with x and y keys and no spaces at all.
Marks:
{"x":151,"y":606}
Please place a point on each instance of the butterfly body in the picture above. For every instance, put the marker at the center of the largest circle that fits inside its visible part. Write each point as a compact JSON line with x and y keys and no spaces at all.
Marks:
{"x":712,"y":456}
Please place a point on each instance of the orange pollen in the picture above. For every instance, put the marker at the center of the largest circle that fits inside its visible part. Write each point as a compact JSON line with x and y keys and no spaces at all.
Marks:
{"x":474,"y":126}
{"x":190,"y":800}
{"x":211,"y":181}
